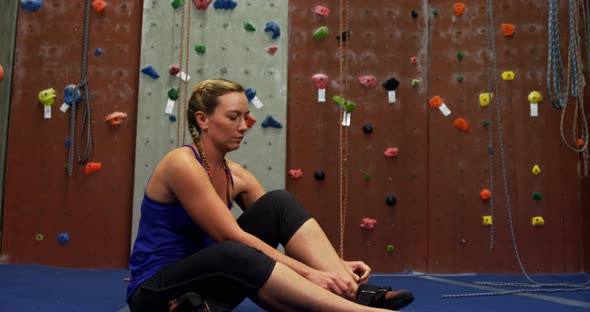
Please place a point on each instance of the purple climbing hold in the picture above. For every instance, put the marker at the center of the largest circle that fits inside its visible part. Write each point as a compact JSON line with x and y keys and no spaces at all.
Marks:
{"x":274,"y":28}
{"x":150,"y":71}
{"x":269,"y":121}
{"x":250,"y":94}
{"x":225,"y":4}
{"x":31,"y":5}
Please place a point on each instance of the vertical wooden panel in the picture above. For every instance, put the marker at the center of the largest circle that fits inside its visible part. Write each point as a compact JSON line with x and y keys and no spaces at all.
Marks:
{"x":383,"y":38}
{"x":40,"y":198}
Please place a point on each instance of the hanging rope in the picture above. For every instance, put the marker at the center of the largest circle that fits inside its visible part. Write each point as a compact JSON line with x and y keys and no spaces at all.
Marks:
{"x":343,"y":130}
{"x":577,"y":83}
{"x":556,"y":81}
{"x":83,"y":155}
{"x":492,"y":74}
{"x":179,"y":118}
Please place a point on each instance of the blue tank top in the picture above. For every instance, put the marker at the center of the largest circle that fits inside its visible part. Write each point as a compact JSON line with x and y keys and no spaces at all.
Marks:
{"x":166,"y":234}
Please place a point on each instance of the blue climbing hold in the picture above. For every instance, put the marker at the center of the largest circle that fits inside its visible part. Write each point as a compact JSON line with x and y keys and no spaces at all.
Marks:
{"x":31,"y":5}
{"x":172,"y":118}
{"x":225,"y":4}
{"x":63,"y":237}
{"x":274,"y":28}
{"x":68,"y":143}
{"x":72,"y":95}
{"x":97,"y":51}
{"x":250,"y":94}
{"x":150,"y":71}
{"x":269,"y":121}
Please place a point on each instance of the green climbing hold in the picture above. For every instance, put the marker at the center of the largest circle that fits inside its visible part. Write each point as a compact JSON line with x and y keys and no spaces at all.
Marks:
{"x":39,"y":237}
{"x":485,"y":123}
{"x":390,"y":248}
{"x":173,"y":94}
{"x":435,"y":12}
{"x":537,"y":196}
{"x":248,"y":26}
{"x":177,"y":3}
{"x":348,"y":106}
{"x":367,"y":177}
{"x":460,"y":55}
{"x":200,"y":48}
{"x":415,"y":83}
{"x":321,"y":33}
{"x":460,"y":77}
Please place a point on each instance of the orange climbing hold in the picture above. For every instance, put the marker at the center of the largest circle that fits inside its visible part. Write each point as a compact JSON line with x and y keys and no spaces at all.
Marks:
{"x":92,"y":167}
{"x":1,"y":72}
{"x":580,"y":143}
{"x":435,"y":102}
{"x":116,"y":118}
{"x":485,"y":194}
{"x":99,"y":5}
{"x":461,"y":124}
{"x":508,"y":29}
{"x":458,"y":8}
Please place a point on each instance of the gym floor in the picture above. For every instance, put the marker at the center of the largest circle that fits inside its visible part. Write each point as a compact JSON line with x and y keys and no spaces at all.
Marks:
{"x":40,"y":288}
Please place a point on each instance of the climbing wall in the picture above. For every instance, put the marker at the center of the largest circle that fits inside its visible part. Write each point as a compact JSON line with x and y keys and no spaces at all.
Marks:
{"x":441,"y":130}
{"x":8,"y":25}
{"x":49,"y":217}
{"x":247,"y":44}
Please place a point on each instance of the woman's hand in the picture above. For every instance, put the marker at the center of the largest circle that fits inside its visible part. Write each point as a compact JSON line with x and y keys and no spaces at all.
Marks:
{"x":332,"y":282}
{"x":359,"y":270}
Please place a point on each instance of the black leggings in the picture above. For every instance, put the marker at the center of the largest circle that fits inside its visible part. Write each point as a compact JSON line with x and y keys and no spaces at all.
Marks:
{"x":227,"y":272}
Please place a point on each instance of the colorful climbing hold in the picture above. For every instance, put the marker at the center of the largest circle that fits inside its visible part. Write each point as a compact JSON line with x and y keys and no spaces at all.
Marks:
{"x":347,"y":105}
{"x":248,"y":26}
{"x":174,"y":69}
{"x":116,"y":118}
{"x":367,"y":177}
{"x":250,"y":94}
{"x":535,"y":97}
{"x":1,"y":72}
{"x":72,"y":95}
{"x":202,"y":4}
{"x":485,"y":194}
{"x":173,"y":94}
{"x":92,"y":167}
{"x":225,"y":4}
{"x":458,"y":8}
{"x":415,"y":83}
{"x":367,"y":128}
{"x":172,"y":117}
{"x":435,"y":102}
{"x":487,"y":220}
{"x":460,"y":55}
{"x":63,"y":238}
{"x":200,"y":48}
{"x":391,"y":84}
{"x":269,"y":121}
{"x":98,"y":51}
{"x":580,"y":143}
{"x":250,"y":121}
{"x":31,"y":5}
{"x":435,"y":11}
{"x":508,"y":75}
{"x":150,"y":71}
{"x":368,"y":81}
{"x":508,"y":29}
{"x":320,"y":80}
{"x":391,"y":152}
{"x":47,"y":96}
{"x":537,"y":221}
{"x":295,"y":173}
{"x":460,"y":77}
{"x":536,"y":170}
{"x":484,"y":99}
{"x":322,"y":10}
{"x":413,"y":59}
{"x":461,"y":124}
{"x":98,"y":5}
{"x":368,"y":223}
{"x":274,"y":28}
{"x":177,"y":3}
{"x":389,"y":248}
{"x":39,"y":237}
{"x":321,"y":33}
{"x":272,"y":49}
{"x":537,"y":196}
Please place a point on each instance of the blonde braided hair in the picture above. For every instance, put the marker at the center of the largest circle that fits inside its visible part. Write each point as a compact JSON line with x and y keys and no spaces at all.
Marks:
{"x":205,"y":97}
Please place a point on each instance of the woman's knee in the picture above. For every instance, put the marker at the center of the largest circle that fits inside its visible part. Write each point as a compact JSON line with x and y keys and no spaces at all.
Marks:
{"x":240,"y":260}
